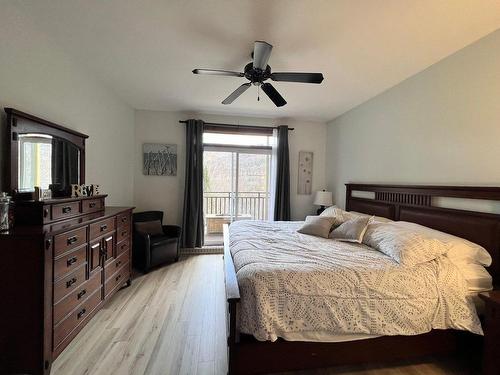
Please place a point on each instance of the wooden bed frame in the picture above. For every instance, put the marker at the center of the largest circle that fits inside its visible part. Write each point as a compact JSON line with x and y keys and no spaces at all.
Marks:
{"x":396,"y":202}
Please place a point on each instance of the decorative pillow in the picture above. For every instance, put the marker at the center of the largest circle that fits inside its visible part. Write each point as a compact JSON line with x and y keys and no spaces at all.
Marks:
{"x":460,"y":250}
{"x":318,"y":226}
{"x":404,"y":245}
{"x":351,"y":230}
{"x":153,"y":228}
{"x":338,"y":215}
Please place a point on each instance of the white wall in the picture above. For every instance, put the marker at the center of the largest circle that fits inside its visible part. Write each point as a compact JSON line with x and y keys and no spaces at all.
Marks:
{"x":39,"y":78}
{"x":441,"y":126}
{"x":166,"y":193}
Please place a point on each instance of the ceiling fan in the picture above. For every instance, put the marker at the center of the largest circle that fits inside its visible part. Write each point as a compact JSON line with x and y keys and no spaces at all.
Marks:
{"x":258,"y":71}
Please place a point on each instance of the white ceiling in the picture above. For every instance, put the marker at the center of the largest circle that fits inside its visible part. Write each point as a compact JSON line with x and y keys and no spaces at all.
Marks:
{"x":145,"y":50}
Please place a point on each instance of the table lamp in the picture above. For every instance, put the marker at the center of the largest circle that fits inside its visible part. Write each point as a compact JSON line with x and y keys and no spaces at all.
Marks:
{"x":323,"y":199}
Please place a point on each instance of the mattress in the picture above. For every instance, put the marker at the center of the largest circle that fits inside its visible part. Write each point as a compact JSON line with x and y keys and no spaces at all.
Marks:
{"x":300,"y":287}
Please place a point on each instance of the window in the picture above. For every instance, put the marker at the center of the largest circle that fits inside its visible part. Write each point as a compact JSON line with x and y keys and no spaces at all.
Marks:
{"x":35,"y":155}
{"x":236,"y":180}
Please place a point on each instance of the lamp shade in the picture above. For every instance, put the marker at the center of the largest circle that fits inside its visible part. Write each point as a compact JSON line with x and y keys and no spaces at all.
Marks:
{"x":323,"y":198}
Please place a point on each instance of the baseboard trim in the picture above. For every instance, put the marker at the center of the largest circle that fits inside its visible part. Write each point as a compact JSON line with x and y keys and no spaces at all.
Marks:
{"x":203,"y":250}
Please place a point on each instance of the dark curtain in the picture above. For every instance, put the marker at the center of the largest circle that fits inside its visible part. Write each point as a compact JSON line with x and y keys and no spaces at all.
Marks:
{"x":65,"y":165}
{"x":192,"y":229}
{"x":282,"y":193}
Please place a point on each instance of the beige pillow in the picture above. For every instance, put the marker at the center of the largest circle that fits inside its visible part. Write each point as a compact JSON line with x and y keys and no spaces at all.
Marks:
{"x":318,"y":226}
{"x":337,"y":215}
{"x":352,"y":230}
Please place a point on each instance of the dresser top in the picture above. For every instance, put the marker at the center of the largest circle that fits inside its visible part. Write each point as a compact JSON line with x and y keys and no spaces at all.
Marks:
{"x":57,"y":200}
{"x":27,"y":231}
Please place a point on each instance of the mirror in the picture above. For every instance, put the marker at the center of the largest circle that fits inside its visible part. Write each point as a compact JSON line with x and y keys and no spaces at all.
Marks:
{"x":47,"y":162}
{"x":43,"y":154}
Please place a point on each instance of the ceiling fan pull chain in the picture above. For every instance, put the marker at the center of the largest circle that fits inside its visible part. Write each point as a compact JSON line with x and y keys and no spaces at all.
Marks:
{"x":258,"y":93}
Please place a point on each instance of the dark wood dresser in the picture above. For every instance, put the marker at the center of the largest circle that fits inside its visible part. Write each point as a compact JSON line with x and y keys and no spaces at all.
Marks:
{"x":60,"y":263}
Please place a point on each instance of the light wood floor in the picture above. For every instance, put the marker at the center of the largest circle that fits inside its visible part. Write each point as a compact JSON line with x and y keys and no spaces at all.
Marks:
{"x":172,"y":321}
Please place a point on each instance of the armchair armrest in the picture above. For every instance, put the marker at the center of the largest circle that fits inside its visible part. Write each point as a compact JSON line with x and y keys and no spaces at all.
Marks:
{"x":141,"y":250}
{"x":172,"y":230}
{"x":141,"y":239}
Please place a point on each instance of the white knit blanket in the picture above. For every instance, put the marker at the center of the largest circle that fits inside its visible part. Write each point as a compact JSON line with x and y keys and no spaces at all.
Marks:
{"x":294,"y":283}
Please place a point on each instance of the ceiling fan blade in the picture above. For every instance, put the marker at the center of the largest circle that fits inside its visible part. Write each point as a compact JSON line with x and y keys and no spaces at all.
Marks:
{"x":273,"y":94}
{"x":240,"y":90}
{"x":261,"y":54}
{"x":216,"y":72}
{"x":298,"y":77}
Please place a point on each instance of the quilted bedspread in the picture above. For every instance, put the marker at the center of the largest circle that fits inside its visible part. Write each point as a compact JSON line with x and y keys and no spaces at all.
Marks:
{"x":291,"y":283}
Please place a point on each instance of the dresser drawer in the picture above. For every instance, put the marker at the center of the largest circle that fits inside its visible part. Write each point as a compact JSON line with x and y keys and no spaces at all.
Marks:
{"x":79,"y":314}
{"x":113,"y":266}
{"x":92,"y":205}
{"x":69,"y":240}
{"x":123,"y":220}
{"x":70,"y":262}
{"x":77,"y":296}
{"x":116,"y":279}
{"x":64,"y":210}
{"x":123,"y":246}
{"x":122,"y":234}
{"x":69,"y":283}
{"x":102,"y":227}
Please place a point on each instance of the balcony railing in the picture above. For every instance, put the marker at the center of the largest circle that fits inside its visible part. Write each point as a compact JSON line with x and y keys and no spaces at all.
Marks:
{"x":244,"y":205}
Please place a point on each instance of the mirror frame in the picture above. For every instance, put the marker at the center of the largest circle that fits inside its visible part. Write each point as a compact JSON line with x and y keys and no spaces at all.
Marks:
{"x":20,"y":123}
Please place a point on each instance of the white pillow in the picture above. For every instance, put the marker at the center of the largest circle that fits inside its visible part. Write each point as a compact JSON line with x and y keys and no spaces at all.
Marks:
{"x":331,"y":211}
{"x":460,"y":250}
{"x":478,"y":279}
{"x":404,"y":245}
{"x":374,"y":219}
{"x":351,"y":230}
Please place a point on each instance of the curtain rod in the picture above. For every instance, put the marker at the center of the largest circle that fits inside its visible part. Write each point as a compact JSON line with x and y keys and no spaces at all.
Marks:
{"x":238,"y":126}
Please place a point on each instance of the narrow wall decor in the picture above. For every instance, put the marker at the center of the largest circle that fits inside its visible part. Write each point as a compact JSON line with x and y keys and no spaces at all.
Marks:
{"x":305,"y":173}
{"x":159,"y":159}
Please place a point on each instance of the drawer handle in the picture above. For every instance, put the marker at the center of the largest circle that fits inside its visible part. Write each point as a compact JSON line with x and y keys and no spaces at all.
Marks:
{"x":81,"y":294}
{"x":124,"y":246}
{"x":66,"y":209}
{"x":124,"y":219}
{"x":92,"y":205}
{"x":118,"y":263}
{"x":70,"y":282}
{"x":124,"y":233}
{"x":104,"y":227}
{"x":70,"y":261}
{"x":118,"y":277}
{"x":72,"y":240}
{"x":94,"y":246}
{"x":79,"y":315}
{"x":45,"y":212}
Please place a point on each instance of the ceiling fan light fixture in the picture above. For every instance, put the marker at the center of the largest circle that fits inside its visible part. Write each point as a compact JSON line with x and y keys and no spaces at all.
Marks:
{"x":259,"y":71}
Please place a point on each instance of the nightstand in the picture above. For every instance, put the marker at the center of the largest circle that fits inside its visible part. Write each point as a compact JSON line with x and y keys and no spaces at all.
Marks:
{"x":491,"y":351}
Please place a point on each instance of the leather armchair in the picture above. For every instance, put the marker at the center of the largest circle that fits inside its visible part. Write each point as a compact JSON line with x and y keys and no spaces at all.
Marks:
{"x":152,"y":250}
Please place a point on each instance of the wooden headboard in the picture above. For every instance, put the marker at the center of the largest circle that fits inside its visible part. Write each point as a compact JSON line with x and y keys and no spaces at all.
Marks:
{"x":414,"y":203}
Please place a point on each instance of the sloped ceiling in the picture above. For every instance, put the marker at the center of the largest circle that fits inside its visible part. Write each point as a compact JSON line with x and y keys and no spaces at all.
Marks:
{"x":145,"y":50}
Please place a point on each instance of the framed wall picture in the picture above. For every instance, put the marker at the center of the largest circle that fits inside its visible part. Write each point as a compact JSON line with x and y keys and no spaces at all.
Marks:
{"x":305,"y":173}
{"x":159,"y":159}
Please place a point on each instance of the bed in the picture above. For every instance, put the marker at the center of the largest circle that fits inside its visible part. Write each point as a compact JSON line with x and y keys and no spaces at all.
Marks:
{"x":279,"y":345}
